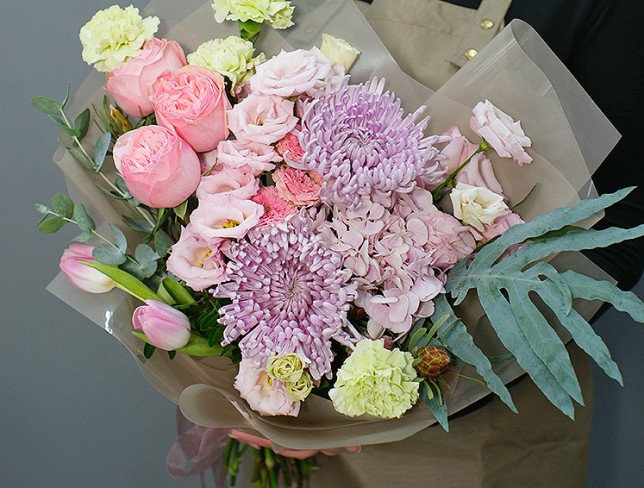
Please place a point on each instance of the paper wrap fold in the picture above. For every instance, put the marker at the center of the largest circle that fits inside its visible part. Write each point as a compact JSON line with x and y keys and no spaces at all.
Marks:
{"x":516,"y":71}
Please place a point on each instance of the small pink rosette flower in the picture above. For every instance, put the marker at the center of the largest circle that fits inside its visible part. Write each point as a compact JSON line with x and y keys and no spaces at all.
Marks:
{"x":197,"y":262}
{"x":290,"y":149}
{"x":501,"y":132}
{"x":239,"y":182}
{"x":301,"y":188}
{"x":276,"y":209}
{"x":131,"y":83}
{"x":224,"y":216}
{"x":258,"y":157}
{"x":80,"y":275}
{"x":262,"y":119}
{"x":164,"y":326}
{"x":193,"y":102}
{"x":264,"y":395}
{"x":159,"y":168}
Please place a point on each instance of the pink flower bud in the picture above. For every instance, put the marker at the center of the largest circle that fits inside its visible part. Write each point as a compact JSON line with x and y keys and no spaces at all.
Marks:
{"x":165,"y":327}
{"x":81,"y":275}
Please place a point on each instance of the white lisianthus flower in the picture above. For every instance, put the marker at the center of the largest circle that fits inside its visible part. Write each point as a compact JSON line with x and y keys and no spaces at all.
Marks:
{"x":277,"y":13}
{"x":115,"y":35}
{"x":339,"y":51}
{"x":477,"y":206}
{"x":231,"y":57}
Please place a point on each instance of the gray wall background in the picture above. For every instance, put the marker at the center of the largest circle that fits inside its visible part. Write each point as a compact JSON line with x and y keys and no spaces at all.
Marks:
{"x":74,"y":410}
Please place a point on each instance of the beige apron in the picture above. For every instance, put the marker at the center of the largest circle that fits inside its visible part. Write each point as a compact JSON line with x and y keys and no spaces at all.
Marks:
{"x":490,"y":447}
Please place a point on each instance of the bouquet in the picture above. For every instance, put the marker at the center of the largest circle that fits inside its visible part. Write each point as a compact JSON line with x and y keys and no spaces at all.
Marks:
{"x":328,"y":255}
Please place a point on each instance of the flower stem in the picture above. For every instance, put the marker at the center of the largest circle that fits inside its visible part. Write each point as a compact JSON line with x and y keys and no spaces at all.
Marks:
{"x":437,"y":192}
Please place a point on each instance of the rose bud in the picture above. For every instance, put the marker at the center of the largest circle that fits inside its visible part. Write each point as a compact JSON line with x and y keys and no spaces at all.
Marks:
{"x":164,"y":326}
{"x":130,"y":84}
{"x":81,"y":275}
{"x":192,"y":101}
{"x":159,"y":168}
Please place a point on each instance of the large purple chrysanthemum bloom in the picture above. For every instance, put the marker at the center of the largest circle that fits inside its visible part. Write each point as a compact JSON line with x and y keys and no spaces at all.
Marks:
{"x":358,"y":139}
{"x":289,"y":295}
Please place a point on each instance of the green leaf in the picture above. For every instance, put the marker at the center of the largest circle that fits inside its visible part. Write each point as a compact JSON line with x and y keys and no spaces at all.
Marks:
{"x":197,"y":346}
{"x":43,"y":209}
{"x":81,"y":158}
{"x":84,"y":237}
{"x":138,"y":225}
{"x":162,"y":243}
{"x":83,"y":220}
{"x":119,"y":237}
{"x":125,"y":281}
{"x":106,"y":254}
{"x":178,"y":293}
{"x":181,"y":210}
{"x":47,"y":105}
{"x":146,"y":262}
{"x":66,"y":99}
{"x":63,"y":205}
{"x":148,"y":350}
{"x":81,"y":124}
{"x":51,"y":225}
{"x":249,"y":30}
{"x":172,"y":354}
{"x":100,"y":150}
{"x":435,"y":405}
{"x":62,"y":125}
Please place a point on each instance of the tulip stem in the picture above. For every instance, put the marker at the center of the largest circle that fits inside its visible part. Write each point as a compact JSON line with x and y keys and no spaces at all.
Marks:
{"x":437,"y":192}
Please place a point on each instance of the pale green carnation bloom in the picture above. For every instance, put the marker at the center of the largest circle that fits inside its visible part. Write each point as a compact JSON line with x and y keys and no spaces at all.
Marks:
{"x":115,"y":35}
{"x":339,"y":51}
{"x":375,"y":381}
{"x":231,"y":57}
{"x":287,"y":368}
{"x":277,"y":13}
{"x":300,"y":389}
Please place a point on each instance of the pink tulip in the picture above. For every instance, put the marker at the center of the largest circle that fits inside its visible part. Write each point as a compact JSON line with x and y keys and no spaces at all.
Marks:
{"x":193,"y":102}
{"x":130,"y":84}
{"x":81,"y":275}
{"x":164,"y":326}
{"x":160,"y":169}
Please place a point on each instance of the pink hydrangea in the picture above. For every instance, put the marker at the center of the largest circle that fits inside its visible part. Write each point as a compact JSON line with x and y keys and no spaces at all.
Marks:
{"x":301,"y":188}
{"x":276,"y":209}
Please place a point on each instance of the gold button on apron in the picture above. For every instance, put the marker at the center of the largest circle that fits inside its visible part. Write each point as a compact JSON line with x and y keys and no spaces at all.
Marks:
{"x":470,"y":53}
{"x":487,"y":24}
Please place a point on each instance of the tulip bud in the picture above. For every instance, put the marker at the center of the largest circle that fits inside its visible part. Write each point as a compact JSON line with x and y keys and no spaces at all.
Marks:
{"x":339,"y":51}
{"x":164,"y":326}
{"x":80,"y":275}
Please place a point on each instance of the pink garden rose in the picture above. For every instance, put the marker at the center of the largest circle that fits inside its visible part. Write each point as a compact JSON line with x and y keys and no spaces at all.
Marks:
{"x":82,"y":276}
{"x":290,"y":149}
{"x":131,"y":83}
{"x":264,"y":395}
{"x":293,"y":73}
{"x":301,"y":188}
{"x":193,"y":102}
{"x":224,"y":216}
{"x":159,"y":168}
{"x":501,"y":132}
{"x":234,"y":154}
{"x":276,"y":209}
{"x":197,"y":262}
{"x":500,"y":225}
{"x":239,"y":182}
{"x":262,"y":119}
{"x":164,"y":326}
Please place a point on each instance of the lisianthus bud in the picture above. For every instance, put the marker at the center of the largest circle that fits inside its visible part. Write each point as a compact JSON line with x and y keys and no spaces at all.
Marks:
{"x":339,"y":51}
{"x":164,"y":326}
{"x":287,"y":368}
{"x":300,"y":389}
{"x":81,"y":275}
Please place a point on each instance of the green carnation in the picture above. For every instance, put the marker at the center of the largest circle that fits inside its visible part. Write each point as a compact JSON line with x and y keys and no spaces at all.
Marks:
{"x":278,"y":13}
{"x":115,"y":35}
{"x":231,"y":57}
{"x":376,"y":381}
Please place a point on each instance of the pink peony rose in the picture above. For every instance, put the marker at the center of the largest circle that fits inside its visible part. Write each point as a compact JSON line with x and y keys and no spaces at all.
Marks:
{"x":164,"y":326}
{"x":290,"y":149}
{"x":500,"y":225}
{"x":82,"y":276}
{"x":234,"y":154}
{"x":221,"y":216}
{"x":239,"y":182}
{"x":276,"y":210}
{"x":193,"y":102}
{"x":501,"y":132}
{"x":293,"y":73}
{"x":197,"y":262}
{"x":131,"y":83}
{"x":159,"y":168}
{"x":264,"y":395}
{"x":262,"y":119}
{"x":301,"y":188}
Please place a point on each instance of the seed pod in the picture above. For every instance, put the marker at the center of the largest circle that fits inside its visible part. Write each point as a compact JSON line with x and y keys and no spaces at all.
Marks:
{"x":435,"y":361}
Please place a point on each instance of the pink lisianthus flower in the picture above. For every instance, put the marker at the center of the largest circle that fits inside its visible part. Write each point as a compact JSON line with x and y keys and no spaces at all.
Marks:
{"x":224,"y":216}
{"x":235,"y":154}
{"x":82,"y":276}
{"x":290,"y":149}
{"x":501,"y":132}
{"x":276,"y":209}
{"x":239,"y":182}
{"x":164,"y":326}
{"x":197,"y":262}
{"x":301,"y":188}
{"x":264,"y":395}
{"x":192,"y":101}
{"x":262,"y":119}
{"x":130,"y":84}
{"x":500,"y":225}
{"x":158,"y":167}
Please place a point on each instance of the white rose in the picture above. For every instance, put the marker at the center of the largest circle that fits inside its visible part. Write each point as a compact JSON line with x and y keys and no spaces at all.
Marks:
{"x":339,"y":51}
{"x":477,"y":206}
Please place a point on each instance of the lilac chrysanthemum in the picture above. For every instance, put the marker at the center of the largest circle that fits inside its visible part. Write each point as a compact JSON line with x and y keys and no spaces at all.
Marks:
{"x":289,"y":295}
{"x":360,"y":141}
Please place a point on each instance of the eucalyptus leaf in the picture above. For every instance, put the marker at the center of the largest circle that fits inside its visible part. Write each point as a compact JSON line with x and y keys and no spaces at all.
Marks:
{"x":106,"y":254}
{"x":81,"y":123}
{"x":83,"y":237}
{"x":81,"y":158}
{"x":43,"y":209}
{"x":435,"y":405}
{"x":146,"y":262}
{"x":138,"y":225}
{"x":121,"y":240}
{"x":125,"y":281}
{"x":66,"y":99}
{"x":148,"y":350}
{"x":47,"y":105}
{"x":83,"y":220}
{"x":100,"y":150}
{"x":181,"y":210}
{"x":51,"y":225}
{"x":162,"y":243}
{"x":63,"y":205}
